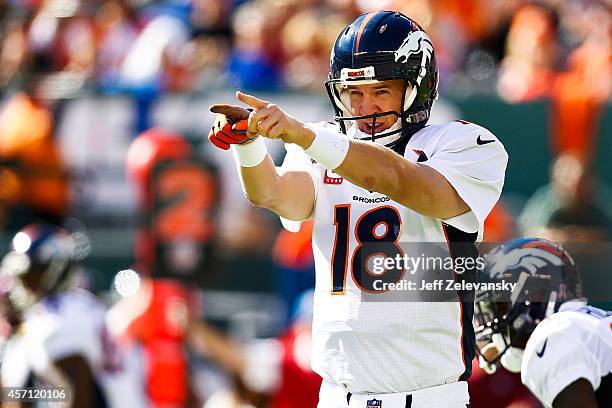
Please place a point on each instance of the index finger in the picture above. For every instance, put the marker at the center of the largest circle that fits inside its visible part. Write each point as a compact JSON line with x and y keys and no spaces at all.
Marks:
{"x":251,"y":100}
{"x":233,"y":112}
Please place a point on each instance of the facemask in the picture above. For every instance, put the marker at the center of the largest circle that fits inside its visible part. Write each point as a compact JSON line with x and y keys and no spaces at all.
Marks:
{"x":354,"y":132}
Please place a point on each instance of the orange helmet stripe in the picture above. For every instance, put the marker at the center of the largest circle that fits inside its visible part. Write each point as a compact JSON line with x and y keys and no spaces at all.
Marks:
{"x":362,"y":26}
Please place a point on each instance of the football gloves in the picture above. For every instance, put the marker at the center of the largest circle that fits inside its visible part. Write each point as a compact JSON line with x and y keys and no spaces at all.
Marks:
{"x":230,"y":126}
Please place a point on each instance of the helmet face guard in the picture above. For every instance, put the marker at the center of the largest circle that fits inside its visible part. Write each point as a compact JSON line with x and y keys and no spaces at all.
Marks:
{"x":335,"y":89}
{"x":497,"y":331}
{"x":380,"y":46}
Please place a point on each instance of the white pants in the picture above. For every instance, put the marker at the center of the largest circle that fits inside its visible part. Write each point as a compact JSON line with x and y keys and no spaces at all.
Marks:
{"x":453,"y":395}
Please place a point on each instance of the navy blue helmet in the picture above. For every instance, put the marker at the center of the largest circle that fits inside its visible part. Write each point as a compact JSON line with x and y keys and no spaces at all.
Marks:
{"x":545,"y":275}
{"x":378,"y":46}
{"x":42,"y":260}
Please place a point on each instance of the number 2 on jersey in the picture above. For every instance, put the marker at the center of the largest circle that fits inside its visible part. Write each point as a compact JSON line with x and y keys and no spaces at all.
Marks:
{"x":187,"y":193}
{"x":366,"y":229}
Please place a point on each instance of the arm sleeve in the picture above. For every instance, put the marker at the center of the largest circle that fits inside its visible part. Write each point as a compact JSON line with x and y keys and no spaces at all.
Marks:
{"x":296,"y":159}
{"x":476,"y":171}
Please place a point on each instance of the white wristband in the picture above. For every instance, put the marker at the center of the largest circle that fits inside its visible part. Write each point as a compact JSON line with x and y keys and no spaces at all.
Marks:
{"x":250,"y":154}
{"x":328,"y":148}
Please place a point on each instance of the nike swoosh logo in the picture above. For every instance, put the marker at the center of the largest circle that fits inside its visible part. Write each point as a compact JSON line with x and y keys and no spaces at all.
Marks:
{"x":421,"y":154}
{"x":541,"y":352}
{"x":483,"y":142}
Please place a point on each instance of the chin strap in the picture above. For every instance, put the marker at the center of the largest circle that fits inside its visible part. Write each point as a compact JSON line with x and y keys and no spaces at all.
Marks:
{"x":409,"y":123}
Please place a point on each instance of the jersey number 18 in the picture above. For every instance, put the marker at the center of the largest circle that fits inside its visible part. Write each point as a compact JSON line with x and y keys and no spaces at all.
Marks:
{"x":379,"y":227}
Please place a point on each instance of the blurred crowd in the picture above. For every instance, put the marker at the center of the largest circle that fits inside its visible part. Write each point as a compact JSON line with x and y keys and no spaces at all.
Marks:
{"x":55,"y":50}
{"x":525,"y":49}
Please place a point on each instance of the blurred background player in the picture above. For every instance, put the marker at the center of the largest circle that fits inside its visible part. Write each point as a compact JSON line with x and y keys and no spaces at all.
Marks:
{"x":271,"y":372}
{"x":178,"y":195}
{"x":573,"y":207}
{"x":56,"y":334}
{"x":543,"y":327}
{"x":34,"y":179}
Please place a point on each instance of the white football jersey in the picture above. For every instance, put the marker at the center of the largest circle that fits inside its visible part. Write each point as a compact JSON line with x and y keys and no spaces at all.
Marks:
{"x":71,"y":323}
{"x":386,"y":346}
{"x":574,"y":343}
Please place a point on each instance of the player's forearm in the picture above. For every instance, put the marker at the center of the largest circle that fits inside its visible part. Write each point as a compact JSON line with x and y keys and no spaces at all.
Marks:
{"x":289,"y":194}
{"x":370,"y":166}
{"x":376,"y":168}
{"x":415,"y":186}
{"x":260,"y":182}
{"x":211,"y":343}
{"x":367,"y":165}
{"x":578,"y":394}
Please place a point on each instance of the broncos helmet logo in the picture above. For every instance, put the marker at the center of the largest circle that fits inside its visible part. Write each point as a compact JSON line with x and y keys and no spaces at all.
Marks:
{"x":528,"y":259}
{"x":416,"y":42}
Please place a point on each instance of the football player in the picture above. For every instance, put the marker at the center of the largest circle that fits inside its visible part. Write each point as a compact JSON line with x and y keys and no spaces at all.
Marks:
{"x":543,"y":327}
{"x":58,"y":336}
{"x":380,"y":175}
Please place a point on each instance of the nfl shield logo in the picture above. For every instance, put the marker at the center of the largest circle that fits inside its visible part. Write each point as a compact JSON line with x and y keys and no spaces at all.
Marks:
{"x":374,"y":403}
